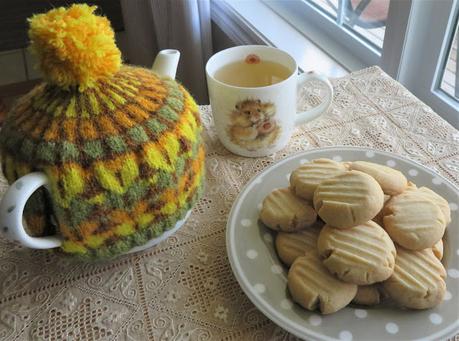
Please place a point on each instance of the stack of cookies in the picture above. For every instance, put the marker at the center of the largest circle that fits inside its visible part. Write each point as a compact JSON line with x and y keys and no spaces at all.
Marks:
{"x":358,"y":232}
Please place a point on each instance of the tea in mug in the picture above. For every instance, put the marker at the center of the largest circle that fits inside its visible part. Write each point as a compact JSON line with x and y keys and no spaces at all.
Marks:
{"x":252,"y":75}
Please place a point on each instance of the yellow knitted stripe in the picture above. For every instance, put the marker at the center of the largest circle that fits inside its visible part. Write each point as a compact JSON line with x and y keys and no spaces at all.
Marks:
{"x":155,"y":158}
{"x":118,"y":99}
{"x":73,"y":247}
{"x":40,"y":101}
{"x":125,"y":229}
{"x":58,"y":110}
{"x":94,"y":104}
{"x":117,"y":175}
{"x":125,"y":224}
{"x":51,"y":108}
{"x":139,"y":216}
{"x":70,"y":111}
{"x":123,"y":91}
{"x":82,"y":105}
{"x":189,"y":100}
{"x":9,"y":168}
{"x":98,"y":199}
{"x":14,"y":169}
{"x":197,"y":170}
{"x":94,"y":241}
{"x":170,"y":144}
{"x":185,"y":128}
{"x":106,"y":100}
{"x":66,"y":183}
{"x":129,"y":85}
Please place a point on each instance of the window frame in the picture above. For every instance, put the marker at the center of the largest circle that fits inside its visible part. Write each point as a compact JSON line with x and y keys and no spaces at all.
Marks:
{"x":408,"y":36}
{"x":339,"y":41}
{"x":423,"y":36}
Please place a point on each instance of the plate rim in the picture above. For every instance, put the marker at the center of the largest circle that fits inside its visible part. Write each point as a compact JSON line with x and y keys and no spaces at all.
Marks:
{"x":261,"y":305}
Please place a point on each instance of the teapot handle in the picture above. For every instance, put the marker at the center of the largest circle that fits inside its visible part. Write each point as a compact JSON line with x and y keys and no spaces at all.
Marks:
{"x":12,"y":209}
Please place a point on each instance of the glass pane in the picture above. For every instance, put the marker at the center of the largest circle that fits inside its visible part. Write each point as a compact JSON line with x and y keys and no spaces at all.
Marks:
{"x":450,"y":81}
{"x":366,"y":18}
{"x":328,"y":6}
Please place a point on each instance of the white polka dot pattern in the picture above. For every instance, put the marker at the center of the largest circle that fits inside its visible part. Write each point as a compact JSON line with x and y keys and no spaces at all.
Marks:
{"x":286,"y":304}
{"x":277,"y":269}
{"x":387,"y":327}
{"x":437,"y":181}
{"x":391,"y":163}
{"x":260,"y":288}
{"x":435,"y":318}
{"x":392,"y":328}
{"x":268,"y":238}
{"x":361,"y":313}
{"x":315,"y":320}
{"x":453,"y":273}
{"x":252,"y":254}
{"x":246,"y":222}
{"x":345,"y":335}
{"x":412,"y":172}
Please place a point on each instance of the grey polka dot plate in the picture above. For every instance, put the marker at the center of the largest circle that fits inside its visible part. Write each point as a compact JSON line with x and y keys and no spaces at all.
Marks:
{"x":264,"y":279}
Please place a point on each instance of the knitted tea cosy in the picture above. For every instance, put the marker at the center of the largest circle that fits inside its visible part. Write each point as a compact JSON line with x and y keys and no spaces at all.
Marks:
{"x":120,"y":145}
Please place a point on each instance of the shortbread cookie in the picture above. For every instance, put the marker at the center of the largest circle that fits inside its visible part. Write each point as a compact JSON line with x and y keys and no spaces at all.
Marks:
{"x":437,"y":249}
{"x":290,"y":246}
{"x":418,"y":279}
{"x":436,"y":198}
{"x":439,"y":201}
{"x":305,"y":179}
{"x":313,"y":287}
{"x":378,"y":219}
{"x":363,"y":254}
{"x":413,"y":221}
{"x":348,"y":199}
{"x":367,"y":295}
{"x":392,"y":181}
{"x":284,"y":211}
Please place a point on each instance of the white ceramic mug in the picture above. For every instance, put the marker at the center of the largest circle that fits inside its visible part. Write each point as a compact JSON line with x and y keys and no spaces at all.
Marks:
{"x":259,"y":121}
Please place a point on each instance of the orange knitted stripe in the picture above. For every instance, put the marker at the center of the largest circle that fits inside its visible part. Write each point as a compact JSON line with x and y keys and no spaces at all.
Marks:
{"x":88,"y":130}
{"x":69,"y":126}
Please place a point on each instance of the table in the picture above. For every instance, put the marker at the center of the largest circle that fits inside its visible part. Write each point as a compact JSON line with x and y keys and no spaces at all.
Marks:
{"x":184,"y":288}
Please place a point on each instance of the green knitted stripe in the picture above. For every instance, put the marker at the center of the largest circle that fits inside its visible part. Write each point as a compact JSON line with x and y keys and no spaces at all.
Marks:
{"x":81,"y":209}
{"x":64,"y":151}
{"x":142,"y":236}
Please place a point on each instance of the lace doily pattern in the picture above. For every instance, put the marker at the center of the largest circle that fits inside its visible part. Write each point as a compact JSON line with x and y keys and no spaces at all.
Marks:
{"x":184,"y":289}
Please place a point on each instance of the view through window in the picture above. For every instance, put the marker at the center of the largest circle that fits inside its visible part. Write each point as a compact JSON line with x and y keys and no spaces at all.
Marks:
{"x":365,"y":18}
{"x":450,"y":80}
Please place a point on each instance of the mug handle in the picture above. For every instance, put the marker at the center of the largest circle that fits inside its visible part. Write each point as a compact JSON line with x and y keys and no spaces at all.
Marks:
{"x":12,"y":209}
{"x":305,"y":116}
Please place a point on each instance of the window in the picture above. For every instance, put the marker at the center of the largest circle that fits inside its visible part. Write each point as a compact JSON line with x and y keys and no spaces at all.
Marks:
{"x":367,"y":19}
{"x":413,"y":41}
{"x":450,"y":79}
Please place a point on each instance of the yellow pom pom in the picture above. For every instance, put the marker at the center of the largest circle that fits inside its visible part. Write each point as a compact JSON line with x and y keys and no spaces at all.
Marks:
{"x":75,"y":46}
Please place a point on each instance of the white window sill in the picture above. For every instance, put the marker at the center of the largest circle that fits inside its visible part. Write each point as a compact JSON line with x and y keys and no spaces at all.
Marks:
{"x":253,"y":22}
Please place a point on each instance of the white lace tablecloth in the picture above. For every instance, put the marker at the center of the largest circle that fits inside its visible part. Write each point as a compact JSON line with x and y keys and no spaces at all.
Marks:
{"x":184,"y":288}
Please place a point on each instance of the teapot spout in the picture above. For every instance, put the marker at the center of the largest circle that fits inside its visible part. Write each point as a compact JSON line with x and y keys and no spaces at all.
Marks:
{"x":166,"y":63}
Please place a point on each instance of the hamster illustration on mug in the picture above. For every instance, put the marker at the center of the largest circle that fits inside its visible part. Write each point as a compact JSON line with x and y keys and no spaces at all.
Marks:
{"x":252,"y":124}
